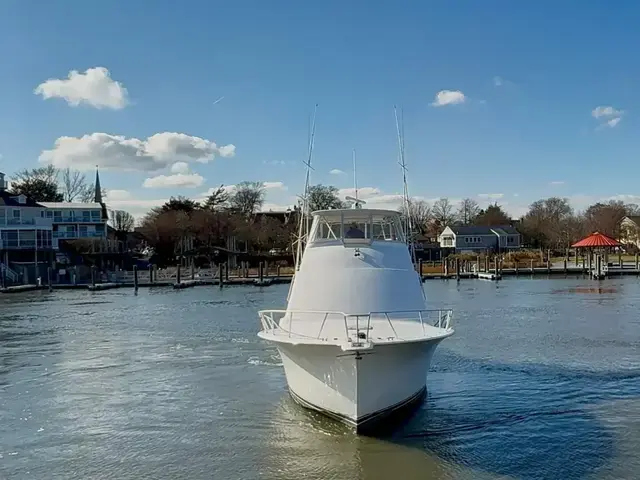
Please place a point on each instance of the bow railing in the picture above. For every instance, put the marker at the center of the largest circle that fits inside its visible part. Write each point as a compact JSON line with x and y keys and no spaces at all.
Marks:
{"x":333,"y":325}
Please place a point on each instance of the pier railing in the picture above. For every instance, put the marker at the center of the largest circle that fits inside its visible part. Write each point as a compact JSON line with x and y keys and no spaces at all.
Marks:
{"x":354,"y":325}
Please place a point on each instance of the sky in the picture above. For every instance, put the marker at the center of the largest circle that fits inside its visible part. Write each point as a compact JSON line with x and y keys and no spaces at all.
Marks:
{"x":502,"y":101}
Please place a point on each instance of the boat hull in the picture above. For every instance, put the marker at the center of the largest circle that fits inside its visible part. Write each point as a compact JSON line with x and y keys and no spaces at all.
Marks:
{"x":362,"y":387}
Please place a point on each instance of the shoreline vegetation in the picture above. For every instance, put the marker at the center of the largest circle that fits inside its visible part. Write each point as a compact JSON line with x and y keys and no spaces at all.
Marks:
{"x":183,"y":228}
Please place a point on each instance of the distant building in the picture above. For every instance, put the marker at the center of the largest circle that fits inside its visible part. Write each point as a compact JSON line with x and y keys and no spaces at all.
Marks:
{"x":480,"y":238}
{"x":25,"y":235}
{"x":630,"y":231}
{"x":73,"y":221}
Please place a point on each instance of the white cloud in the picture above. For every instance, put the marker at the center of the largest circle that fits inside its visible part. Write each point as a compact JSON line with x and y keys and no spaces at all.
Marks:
{"x":448,"y":97}
{"x":363,"y":192}
{"x":273,"y":162}
{"x":115,"y":152}
{"x":117,"y":195}
{"x":336,"y":171}
{"x":605,"y":112}
{"x":613,"y":122}
{"x":94,"y":87}
{"x":498,"y":82}
{"x":491,"y":196}
{"x":557,"y":182}
{"x":180,"y":167}
{"x":274,"y":186}
{"x":610,"y":115}
{"x":171,"y":181}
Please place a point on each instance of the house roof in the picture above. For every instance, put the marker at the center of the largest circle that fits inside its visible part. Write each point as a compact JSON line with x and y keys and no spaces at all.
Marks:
{"x":483,"y":230}
{"x":10,"y":200}
{"x":597,"y":239}
{"x":78,"y":205}
{"x":635,"y":219}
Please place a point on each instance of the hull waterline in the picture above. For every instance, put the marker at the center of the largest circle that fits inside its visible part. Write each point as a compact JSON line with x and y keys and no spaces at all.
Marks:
{"x":358,"y":388}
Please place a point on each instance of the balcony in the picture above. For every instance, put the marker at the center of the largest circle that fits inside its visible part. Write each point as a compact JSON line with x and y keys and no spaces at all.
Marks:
{"x":77,"y":220}
{"x":27,"y":222}
{"x":79,"y":235}
{"x":12,"y":244}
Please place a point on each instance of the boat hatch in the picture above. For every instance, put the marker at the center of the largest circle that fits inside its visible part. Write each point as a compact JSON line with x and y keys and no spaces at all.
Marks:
{"x":356,"y":227}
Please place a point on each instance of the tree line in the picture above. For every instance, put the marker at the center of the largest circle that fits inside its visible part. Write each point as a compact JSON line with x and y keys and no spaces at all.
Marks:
{"x":183,"y":226}
{"x":550,"y":223}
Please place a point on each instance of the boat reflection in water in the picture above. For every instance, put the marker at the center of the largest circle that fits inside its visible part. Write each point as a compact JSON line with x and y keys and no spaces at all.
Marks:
{"x":306,"y":444}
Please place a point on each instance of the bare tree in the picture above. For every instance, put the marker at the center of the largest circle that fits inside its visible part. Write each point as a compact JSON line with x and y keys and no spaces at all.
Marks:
{"x":217,"y":200}
{"x":248,"y":197}
{"x":443,"y":212}
{"x":75,"y":186}
{"x":606,"y":217}
{"x":468,"y":211}
{"x":550,"y":223}
{"x":122,"y":221}
{"x":324,"y":197}
{"x":420,"y":213}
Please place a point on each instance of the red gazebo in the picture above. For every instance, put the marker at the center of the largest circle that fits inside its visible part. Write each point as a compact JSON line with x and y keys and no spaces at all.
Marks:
{"x":601,"y":243}
{"x":597,"y":240}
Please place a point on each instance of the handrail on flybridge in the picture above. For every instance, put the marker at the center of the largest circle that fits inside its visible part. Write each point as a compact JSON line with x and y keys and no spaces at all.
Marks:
{"x":357,"y":324}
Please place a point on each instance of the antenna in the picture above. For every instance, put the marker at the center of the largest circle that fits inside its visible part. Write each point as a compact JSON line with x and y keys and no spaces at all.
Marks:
{"x":303,"y":229}
{"x":355,"y":178}
{"x":406,"y":202}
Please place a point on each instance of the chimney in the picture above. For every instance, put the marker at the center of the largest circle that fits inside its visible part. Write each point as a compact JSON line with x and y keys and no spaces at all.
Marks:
{"x":3,"y":186}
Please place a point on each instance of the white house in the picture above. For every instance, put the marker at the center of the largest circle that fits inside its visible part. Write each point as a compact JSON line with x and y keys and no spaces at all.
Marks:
{"x":25,"y":232}
{"x":630,"y":231}
{"x":480,"y":238}
{"x":73,"y":220}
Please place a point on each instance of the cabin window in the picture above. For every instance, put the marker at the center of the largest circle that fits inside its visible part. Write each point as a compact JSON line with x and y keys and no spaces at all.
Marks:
{"x":386,"y":229}
{"x":327,"y":230}
{"x":352,"y":227}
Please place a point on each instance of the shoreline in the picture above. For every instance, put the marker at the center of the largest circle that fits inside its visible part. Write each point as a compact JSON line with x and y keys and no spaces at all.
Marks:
{"x":265,"y":281}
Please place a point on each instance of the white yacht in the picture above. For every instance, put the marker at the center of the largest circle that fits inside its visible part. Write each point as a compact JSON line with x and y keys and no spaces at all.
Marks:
{"x":356,"y":338}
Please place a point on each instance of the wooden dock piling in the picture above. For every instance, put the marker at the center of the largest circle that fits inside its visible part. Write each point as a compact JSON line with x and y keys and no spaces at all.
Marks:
{"x":49,"y":284}
{"x":135,"y":279}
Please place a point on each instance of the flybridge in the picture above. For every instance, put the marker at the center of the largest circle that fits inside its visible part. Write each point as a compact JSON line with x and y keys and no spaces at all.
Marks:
{"x":361,"y":226}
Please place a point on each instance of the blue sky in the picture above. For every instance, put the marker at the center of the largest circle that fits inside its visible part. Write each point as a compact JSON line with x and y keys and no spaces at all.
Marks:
{"x":525,"y":80}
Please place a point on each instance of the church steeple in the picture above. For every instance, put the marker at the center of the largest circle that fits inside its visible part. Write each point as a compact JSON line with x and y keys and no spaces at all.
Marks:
{"x":97,"y":196}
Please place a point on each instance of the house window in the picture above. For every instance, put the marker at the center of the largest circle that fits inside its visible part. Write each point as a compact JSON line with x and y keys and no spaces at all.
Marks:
{"x":49,"y":214}
{"x":16,"y":214}
{"x":86,"y":216}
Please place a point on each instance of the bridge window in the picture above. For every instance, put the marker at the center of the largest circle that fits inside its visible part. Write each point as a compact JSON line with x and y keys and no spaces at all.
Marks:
{"x":353,"y":227}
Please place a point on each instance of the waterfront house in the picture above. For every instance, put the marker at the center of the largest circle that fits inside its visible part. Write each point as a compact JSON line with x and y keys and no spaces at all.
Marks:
{"x":476,"y":238}
{"x":25,"y":236}
{"x":78,"y":221}
{"x":630,"y":231}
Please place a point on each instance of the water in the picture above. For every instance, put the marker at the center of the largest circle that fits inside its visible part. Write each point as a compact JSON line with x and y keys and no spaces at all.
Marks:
{"x":540,"y":381}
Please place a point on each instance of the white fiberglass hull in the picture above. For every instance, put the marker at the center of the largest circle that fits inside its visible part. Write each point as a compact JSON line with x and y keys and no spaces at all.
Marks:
{"x":358,"y":387}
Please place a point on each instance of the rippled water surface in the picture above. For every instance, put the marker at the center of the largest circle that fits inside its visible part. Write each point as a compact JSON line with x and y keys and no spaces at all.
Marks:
{"x":540,"y":381}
